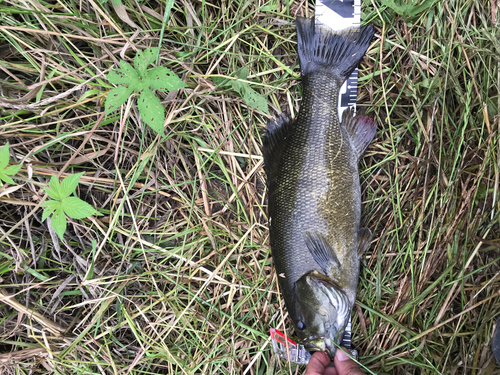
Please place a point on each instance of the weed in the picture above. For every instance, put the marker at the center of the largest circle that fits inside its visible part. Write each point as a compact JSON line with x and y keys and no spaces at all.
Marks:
{"x":176,"y":276}
{"x":143,"y":80}
{"x":5,"y":169}
{"x":63,"y":204}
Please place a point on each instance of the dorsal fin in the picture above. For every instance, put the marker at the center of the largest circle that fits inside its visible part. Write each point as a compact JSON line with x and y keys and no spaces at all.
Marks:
{"x":361,"y":130}
{"x":277,"y":131}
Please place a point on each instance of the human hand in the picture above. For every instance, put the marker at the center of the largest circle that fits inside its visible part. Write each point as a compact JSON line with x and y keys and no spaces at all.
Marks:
{"x":344,"y":365}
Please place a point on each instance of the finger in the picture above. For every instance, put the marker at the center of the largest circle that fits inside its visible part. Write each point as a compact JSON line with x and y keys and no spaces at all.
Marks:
{"x":317,"y":364}
{"x":331,"y":371}
{"x":345,"y":365}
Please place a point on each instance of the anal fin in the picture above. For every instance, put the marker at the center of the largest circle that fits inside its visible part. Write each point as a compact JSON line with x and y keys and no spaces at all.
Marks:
{"x":321,"y":251}
{"x":361,"y":130}
{"x":364,"y":239}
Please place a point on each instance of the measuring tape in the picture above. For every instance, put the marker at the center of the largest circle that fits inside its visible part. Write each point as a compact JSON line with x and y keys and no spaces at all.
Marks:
{"x":340,"y":15}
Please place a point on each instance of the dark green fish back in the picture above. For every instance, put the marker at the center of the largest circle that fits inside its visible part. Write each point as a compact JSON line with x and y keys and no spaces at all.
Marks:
{"x":311,"y":164}
{"x":314,"y":186}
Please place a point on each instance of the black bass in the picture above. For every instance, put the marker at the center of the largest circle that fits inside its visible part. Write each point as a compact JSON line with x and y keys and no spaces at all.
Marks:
{"x":314,"y":193}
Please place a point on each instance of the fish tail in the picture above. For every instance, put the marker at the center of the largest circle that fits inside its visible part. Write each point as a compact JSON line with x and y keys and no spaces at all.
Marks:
{"x":337,"y":53}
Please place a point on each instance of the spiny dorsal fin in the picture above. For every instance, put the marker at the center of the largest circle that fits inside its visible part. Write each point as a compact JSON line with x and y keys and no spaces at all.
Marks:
{"x":364,"y":238}
{"x":361,"y":130}
{"x":321,"y":251}
{"x":276,"y":134}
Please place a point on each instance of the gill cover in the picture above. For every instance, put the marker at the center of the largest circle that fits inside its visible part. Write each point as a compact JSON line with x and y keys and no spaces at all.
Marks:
{"x":320,"y":313}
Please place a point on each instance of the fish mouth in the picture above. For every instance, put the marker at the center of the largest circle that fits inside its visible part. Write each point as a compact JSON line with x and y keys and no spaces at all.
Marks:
{"x":315,"y":345}
{"x":318,"y":344}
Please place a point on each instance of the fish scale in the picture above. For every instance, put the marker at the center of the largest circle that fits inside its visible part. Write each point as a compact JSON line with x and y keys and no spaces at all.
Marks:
{"x":310,"y":190}
{"x":314,"y":194}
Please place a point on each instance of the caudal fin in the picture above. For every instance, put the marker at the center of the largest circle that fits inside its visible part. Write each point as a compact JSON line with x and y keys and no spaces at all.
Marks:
{"x":326,"y":51}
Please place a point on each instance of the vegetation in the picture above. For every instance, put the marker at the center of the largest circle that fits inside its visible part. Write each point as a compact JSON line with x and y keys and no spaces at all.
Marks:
{"x":171,"y":271}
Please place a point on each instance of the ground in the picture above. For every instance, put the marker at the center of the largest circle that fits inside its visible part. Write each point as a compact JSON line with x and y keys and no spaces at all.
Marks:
{"x":175,"y":275}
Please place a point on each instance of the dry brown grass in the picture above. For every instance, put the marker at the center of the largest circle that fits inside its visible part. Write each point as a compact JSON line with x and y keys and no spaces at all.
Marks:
{"x":176,"y":276}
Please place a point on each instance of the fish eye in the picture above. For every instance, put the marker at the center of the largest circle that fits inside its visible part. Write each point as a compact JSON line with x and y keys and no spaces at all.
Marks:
{"x":301,"y":325}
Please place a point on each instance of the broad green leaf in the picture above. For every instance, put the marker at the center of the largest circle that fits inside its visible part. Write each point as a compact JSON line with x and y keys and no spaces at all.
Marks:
{"x":69,"y":184}
{"x":151,"y":111}
{"x":221,"y":81}
{"x":243,"y":73}
{"x":76,"y":208}
{"x":126,"y":75}
{"x":253,"y":99}
{"x":239,"y":87}
{"x":11,"y":170}
{"x":430,"y":83}
{"x":116,"y":97}
{"x":54,"y":189}
{"x":53,"y":204}
{"x":6,"y":179}
{"x":58,"y":223}
{"x":4,"y":161}
{"x":117,"y":77}
{"x":411,"y":9}
{"x":163,"y":79}
{"x":4,"y":156}
{"x":271,"y":7}
{"x":50,"y":206}
{"x":143,"y":58}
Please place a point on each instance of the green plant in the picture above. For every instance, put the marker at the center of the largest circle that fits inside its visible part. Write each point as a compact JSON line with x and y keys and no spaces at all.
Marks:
{"x":140,"y":79}
{"x":63,"y":204}
{"x":6,"y":171}
{"x":411,"y":9}
{"x":183,"y":248}
{"x":117,"y":2}
{"x":251,"y":97}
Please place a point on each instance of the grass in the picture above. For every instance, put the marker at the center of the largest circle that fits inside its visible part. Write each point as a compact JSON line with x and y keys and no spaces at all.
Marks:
{"x":176,"y":276}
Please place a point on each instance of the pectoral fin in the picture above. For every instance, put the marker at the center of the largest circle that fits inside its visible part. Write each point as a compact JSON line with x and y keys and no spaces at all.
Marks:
{"x":321,"y":251}
{"x":364,"y":238}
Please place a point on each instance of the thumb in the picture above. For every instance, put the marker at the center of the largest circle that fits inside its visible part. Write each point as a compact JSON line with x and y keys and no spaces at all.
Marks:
{"x":345,"y":365}
{"x":317,"y":364}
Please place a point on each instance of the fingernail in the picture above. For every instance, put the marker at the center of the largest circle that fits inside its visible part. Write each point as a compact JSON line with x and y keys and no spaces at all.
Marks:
{"x":341,"y":355}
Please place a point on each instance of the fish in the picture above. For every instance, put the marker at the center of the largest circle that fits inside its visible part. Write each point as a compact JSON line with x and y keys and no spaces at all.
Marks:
{"x":314,"y":194}
{"x":495,"y":342}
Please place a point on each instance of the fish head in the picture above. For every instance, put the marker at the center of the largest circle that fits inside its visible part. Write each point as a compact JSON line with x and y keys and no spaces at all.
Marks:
{"x":320,"y":312}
